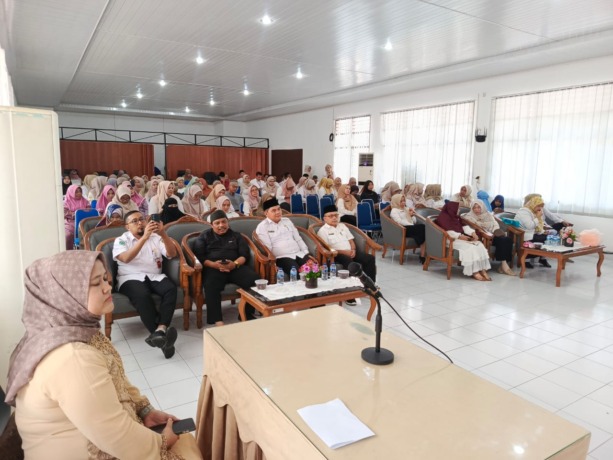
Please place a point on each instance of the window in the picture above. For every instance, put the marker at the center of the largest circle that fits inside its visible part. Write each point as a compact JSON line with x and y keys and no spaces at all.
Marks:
{"x":431,"y":145}
{"x":352,"y":137}
{"x":557,"y":143}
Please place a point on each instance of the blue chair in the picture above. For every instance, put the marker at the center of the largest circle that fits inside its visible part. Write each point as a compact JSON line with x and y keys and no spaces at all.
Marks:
{"x":383,"y":205}
{"x":78,"y":217}
{"x":323,"y":202}
{"x":312,"y":205}
{"x":365,"y":222}
{"x":373,"y":214}
{"x":329,"y":195}
{"x":296,"y":204}
{"x":93,"y":204}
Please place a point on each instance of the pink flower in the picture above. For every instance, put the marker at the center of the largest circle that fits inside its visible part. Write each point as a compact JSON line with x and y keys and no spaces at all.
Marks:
{"x":569,"y":240}
{"x":315,"y":268}
{"x":306,"y":268}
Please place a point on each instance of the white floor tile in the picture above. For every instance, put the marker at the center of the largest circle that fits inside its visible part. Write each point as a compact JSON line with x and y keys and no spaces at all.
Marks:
{"x":177,"y":393}
{"x":137,"y":379}
{"x":593,"y":370}
{"x":597,"y":436}
{"x":471,"y":357}
{"x":603,"y":452}
{"x":533,"y":364}
{"x":167,"y":373}
{"x":572,"y":380}
{"x":553,"y":354}
{"x":507,"y":373}
{"x":550,"y":393}
{"x":593,"y":412}
{"x":495,"y":348}
{"x":188,"y":410}
{"x":603,"y":395}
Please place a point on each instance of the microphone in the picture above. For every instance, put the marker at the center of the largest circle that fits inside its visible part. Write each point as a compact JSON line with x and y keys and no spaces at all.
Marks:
{"x":355,"y":269}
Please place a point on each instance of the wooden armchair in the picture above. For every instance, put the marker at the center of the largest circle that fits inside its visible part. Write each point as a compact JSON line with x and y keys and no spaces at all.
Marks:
{"x":303,"y":220}
{"x":95,"y":236}
{"x":363,"y":243}
{"x":85,"y":226}
{"x":176,"y":269}
{"x":439,"y":246}
{"x":394,"y":235}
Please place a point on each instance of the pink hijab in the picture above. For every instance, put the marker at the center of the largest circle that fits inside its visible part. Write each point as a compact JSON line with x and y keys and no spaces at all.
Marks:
{"x":287,"y":194}
{"x":103,"y":201}
{"x":54,"y":312}
{"x":71,"y":202}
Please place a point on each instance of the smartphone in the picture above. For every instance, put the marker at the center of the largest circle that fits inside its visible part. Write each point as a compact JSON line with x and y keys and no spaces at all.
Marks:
{"x":179,"y":427}
{"x":155,"y":217}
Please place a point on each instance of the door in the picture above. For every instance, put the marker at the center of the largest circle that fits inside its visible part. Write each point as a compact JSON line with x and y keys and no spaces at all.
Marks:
{"x":283,"y":161}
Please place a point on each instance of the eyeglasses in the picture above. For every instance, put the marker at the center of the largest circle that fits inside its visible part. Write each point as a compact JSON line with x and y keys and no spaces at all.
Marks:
{"x":136,"y":221}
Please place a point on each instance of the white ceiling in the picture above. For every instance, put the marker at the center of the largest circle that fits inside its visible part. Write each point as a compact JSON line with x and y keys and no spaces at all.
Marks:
{"x":90,"y":55}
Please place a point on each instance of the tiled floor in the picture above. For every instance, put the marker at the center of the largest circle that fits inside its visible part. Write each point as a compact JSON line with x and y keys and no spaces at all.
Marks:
{"x":552,"y":346}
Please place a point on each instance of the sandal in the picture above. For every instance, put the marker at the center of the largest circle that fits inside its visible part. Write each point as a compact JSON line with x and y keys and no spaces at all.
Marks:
{"x":478,"y":276}
{"x":486,"y":276}
{"x":510,"y":272}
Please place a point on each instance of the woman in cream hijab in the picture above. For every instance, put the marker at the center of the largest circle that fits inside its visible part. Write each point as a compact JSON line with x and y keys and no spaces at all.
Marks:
{"x":406,"y":217}
{"x":166,"y":190}
{"x":433,"y":196}
{"x":531,"y":219}
{"x":389,"y":190}
{"x":464,"y":196}
{"x":347,"y":205}
{"x":218,"y":191}
{"x":193,"y":204}
{"x":123,"y":197}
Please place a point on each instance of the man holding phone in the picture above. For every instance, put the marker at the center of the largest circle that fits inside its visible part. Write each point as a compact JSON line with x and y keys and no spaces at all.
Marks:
{"x":223,"y":254}
{"x":139,"y":253}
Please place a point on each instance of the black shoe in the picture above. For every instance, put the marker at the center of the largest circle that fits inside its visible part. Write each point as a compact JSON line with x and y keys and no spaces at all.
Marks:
{"x":169,"y":347}
{"x":544,"y":263}
{"x":422,"y":260}
{"x":529,"y":265}
{"x":156,"y":339}
{"x":351,"y":302}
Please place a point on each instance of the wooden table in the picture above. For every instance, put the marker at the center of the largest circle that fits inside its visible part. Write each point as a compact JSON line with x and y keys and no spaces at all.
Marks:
{"x":270,"y":308}
{"x":562,"y":257}
{"x":259,"y":373}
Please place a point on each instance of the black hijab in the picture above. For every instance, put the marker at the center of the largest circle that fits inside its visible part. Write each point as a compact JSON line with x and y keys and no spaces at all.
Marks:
{"x":170,"y":211}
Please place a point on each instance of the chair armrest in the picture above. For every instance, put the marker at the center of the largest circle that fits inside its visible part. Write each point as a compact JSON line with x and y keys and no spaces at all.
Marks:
{"x":190,"y":257}
{"x":261,"y":261}
{"x":267,"y":253}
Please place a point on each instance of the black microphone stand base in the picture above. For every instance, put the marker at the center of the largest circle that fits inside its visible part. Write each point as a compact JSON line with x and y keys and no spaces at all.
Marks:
{"x":381,"y":357}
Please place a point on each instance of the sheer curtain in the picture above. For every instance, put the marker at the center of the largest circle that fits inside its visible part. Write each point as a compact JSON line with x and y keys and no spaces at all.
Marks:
{"x":557,"y":143}
{"x":432,"y":145}
{"x":352,"y":137}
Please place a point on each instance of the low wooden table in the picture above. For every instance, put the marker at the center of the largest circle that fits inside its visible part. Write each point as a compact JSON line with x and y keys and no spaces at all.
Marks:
{"x":268,"y":308}
{"x":562,"y":257}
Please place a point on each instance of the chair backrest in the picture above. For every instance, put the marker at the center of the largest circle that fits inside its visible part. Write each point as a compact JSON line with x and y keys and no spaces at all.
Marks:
{"x":296,"y":204}
{"x":303,"y":220}
{"x":371,"y":204}
{"x":426,"y":212}
{"x":93,"y":204}
{"x":383,"y":205}
{"x":87,"y":224}
{"x":464,"y":210}
{"x":435,"y":241}
{"x":311,"y":243}
{"x":325,"y":200}
{"x":393,"y":232}
{"x":81,"y":214}
{"x":329,"y":195}
{"x":106,"y":247}
{"x":95,"y":236}
{"x":364,"y":217}
{"x":245,"y":225}
{"x":177,"y":230}
{"x":312,"y":205}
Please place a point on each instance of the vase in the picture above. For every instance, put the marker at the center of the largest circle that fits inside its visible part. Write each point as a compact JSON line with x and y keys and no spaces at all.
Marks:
{"x":568,"y":242}
{"x":311,"y":284}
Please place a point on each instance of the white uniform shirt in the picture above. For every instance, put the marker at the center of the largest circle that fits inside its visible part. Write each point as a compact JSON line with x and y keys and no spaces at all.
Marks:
{"x":282,"y":238}
{"x":148,"y":262}
{"x":401,"y":217}
{"x":336,"y":237}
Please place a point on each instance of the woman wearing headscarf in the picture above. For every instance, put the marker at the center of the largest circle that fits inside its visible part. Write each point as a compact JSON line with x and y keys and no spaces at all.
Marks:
{"x":329,"y":172}
{"x":223,"y":203}
{"x":107,"y":195}
{"x":300,"y":186}
{"x":152,"y":189}
{"x":139,"y":185}
{"x":123,"y":197}
{"x":73,"y":201}
{"x":112,"y":181}
{"x":88,"y":185}
{"x":98,"y":185}
{"x":532,"y":221}
{"x":243,"y":183}
{"x":65,"y":184}
{"x":368,"y":192}
{"x":193,"y":204}
{"x":180,"y":187}
{"x":498,"y":204}
{"x":74,"y":177}
{"x":433,"y":196}
{"x":310,"y":188}
{"x":218,"y":191}
{"x":485,"y":198}
{"x":141,"y":202}
{"x":338,"y":183}
{"x":170,"y":211}
{"x":112,"y":215}
{"x":285,"y":192}
{"x":206,"y":188}
{"x":67,"y":381}
{"x":347,"y":206}
{"x":252,"y":202}
{"x":389,"y":190}
{"x":464,"y":196}
{"x":414,"y":196}
{"x":479,"y":216}
{"x":270,"y":186}
{"x":326,"y":187}
{"x":166,"y":190}
{"x":473,"y":255}
{"x":406,"y":217}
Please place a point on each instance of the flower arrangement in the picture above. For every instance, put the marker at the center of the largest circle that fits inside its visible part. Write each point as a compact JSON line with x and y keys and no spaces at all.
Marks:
{"x":311,"y":269}
{"x":568,"y":236}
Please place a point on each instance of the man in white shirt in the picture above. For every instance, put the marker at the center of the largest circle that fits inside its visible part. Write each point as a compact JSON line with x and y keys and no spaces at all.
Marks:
{"x":258,"y":182}
{"x":338,"y":237}
{"x":139,"y":253}
{"x":279,"y":235}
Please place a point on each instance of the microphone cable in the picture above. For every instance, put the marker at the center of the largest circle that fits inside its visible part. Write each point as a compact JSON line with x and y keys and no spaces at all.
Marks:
{"x":413,"y":331}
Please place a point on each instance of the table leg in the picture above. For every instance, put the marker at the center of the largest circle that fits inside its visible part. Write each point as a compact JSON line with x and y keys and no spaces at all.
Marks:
{"x":559,"y":272}
{"x":241,"y":308}
{"x":522,"y":262}
{"x":600,"y":261}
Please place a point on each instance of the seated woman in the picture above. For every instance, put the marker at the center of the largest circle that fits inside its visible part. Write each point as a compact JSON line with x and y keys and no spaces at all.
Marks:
{"x":193,"y":204}
{"x":180,"y":184}
{"x":250,"y":205}
{"x":218,"y":191}
{"x":140,"y":201}
{"x":170,"y":211}
{"x":310,"y":188}
{"x":123,"y":198}
{"x":67,"y":381}
{"x":66,"y":182}
{"x":73,"y":201}
{"x":473,"y":255}
{"x":326,"y":187}
{"x":552,"y":220}
{"x":107,"y":195}
{"x":112,"y":215}
{"x":504,"y":244}
{"x":530,"y":218}
{"x":497,"y":204}
{"x":406,"y":217}
{"x":368,"y":192}
{"x":389,"y":190}
{"x":464,"y":196}
{"x":284,"y":194}
{"x":338,"y":183}
{"x":347,"y":205}
{"x":270,"y":186}
{"x":166,"y":189}
{"x":98,"y":185}
{"x":433,"y":196}
{"x":223,"y":203}
{"x":415,"y":196}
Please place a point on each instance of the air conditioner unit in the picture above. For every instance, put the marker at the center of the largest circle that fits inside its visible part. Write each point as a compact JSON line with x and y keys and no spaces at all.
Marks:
{"x":365,"y":167}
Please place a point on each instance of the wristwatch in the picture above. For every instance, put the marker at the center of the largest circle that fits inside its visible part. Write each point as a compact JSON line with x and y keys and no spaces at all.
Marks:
{"x":236,"y":265}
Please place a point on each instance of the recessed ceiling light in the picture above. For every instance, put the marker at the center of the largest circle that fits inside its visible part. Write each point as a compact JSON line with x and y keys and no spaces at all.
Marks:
{"x":172,"y":113}
{"x":246,"y":91}
{"x":123,"y":104}
{"x":187,"y":110}
{"x":299,"y":74}
{"x":266,"y":20}
{"x":388,"y":45}
{"x":212,"y":102}
{"x":139,"y":94}
{"x":199,"y":60}
{"x":162,"y":82}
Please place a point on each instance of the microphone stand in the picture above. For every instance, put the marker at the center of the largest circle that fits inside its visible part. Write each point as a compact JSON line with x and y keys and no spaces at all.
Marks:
{"x":377,"y":355}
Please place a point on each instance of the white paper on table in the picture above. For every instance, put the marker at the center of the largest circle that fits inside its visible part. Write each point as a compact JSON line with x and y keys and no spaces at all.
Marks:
{"x":334,"y":423}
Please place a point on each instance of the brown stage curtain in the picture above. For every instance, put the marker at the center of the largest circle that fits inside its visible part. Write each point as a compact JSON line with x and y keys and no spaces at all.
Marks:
{"x":202,"y":159}
{"x":90,"y":156}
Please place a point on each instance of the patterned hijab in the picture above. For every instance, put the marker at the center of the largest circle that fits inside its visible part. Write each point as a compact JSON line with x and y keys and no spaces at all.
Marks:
{"x":54,"y":312}
{"x":192,"y":205}
{"x":448,"y":219}
{"x":270,"y":186}
{"x":532,"y":204}
{"x":484,"y":220}
{"x":71,"y":202}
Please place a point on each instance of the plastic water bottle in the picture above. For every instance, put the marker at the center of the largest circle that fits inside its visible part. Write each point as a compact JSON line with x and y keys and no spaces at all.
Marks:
{"x":280,"y":276}
{"x":293,"y":275}
{"x":324,"y":272}
{"x":548,"y":241}
{"x":332,"y":270}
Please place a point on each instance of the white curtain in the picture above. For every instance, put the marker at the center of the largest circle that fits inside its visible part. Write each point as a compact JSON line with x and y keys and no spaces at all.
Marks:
{"x":432,"y":145}
{"x":556,"y":143}
{"x":352,"y":137}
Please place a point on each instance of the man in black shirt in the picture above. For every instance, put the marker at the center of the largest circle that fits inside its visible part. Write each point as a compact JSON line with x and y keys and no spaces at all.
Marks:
{"x":223,"y":254}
